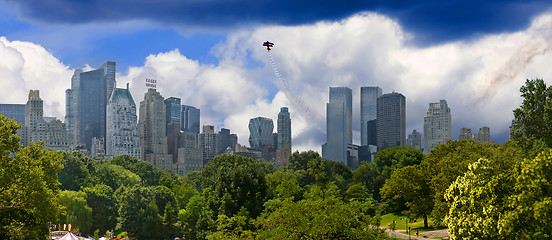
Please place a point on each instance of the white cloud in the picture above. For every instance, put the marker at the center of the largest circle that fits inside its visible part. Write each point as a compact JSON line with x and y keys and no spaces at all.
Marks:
{"x":363,"y":50}
{"x":25,"y":66}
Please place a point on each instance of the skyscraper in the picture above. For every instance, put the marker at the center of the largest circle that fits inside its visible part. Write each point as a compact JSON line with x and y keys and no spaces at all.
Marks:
{"x":226,"y":140}
{"x":14,"y":111}
{"x":484,"y":135}
{"x":437,"y":123}
{"x":284,"y":128}
{"x":152,"y":130}
{"x":122,"y":126}
{"x":465,"y":133}
{"x":368,"y":114}
{"x":86,"y":103}
{"x":391,"y":122}
{"x":414,"y":140}
{"x":173,"y":110}
{"x":260,"y":132}
{"x":208,"y":143}
{"x":339,"y":131}
{"x":189,"y":120}
{"x":52,"y":133}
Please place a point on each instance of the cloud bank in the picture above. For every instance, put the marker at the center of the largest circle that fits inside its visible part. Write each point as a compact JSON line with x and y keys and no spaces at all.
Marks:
{"x":366,"y":49}
{"x":433,"y":21}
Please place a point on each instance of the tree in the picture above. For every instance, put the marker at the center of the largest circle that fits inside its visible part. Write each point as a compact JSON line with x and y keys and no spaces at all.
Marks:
{"x":28,"y":185}
{"x":115,"y":176}
{"x":104,"y":207}
{"x":138,"y":213}
{"x":389,"y":159}
{"x":76,"y":211}
{"x":533,"y":119}
{"x":368,"y":175}
{"x":76,"y":171}
{"x":233,"y":181}
{"x":411,"y":184}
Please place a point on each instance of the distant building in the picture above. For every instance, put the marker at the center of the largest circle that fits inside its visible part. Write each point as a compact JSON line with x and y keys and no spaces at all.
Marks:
{"x":86,"y":103}
{"x":339,"y":132}
{"x":122,"y":125}
{"x":414,"y":140}
{"x":187,"y":156}
{"x":97,"y":148}
{"x":465,"y":133}
{"x":189,"y":119}
{"x":15,"y":112}
{"x":284,"y":136}
{"x":260,"y":132}
{"x":437,"y":124}
{"x":391,"y":122}
{"x":483,"y":136}
{"x":368,"y":114}
{"x":152,"y":130}
{"x":173,"y":110}
{"x":208,"y":143}
{"x":53,"y":133}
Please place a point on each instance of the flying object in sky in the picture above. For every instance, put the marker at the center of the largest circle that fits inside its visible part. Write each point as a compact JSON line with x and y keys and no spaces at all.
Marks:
{"x":268,"y":45}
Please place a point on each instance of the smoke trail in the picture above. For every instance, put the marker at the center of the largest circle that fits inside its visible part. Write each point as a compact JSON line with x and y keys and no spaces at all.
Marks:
{"x":297,"y":102}
{"x":537,"y":46}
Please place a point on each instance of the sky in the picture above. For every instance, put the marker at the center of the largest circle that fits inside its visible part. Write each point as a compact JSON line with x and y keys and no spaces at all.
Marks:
{"x":474,"y":54}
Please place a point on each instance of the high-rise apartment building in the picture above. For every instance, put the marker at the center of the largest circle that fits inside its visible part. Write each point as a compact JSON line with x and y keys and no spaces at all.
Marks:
{"x":339,"y":131}
{"x":414,"y":140}
{"x":437,"y":124}
{"x":86,"y":103}
{"x":189,"y":120}
{"x":368,"y":114}
{"x":17,"y":113}
{"x":173,"y":110}
{"x":121,"y":125}
{"x":208,"y":143}
{"x":260,"y":132}
{"x":53,"y":133}
{"x":184,"y":147}
{"x":391,"y":122}
{"x":483,"y":136}
{"x":226,"y":140}
{"x":465,"y":133}
{"x":152,"y":130}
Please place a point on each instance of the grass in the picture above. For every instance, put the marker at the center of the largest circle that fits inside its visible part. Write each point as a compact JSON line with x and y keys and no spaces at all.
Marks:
{"x":416,"y":224}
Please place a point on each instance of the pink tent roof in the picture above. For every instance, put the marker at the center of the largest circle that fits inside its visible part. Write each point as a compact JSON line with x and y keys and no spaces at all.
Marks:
{"x":69,"y":236}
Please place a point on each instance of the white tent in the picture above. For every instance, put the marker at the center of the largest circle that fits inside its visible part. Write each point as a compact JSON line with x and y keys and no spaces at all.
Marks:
{"x":69,"y":236}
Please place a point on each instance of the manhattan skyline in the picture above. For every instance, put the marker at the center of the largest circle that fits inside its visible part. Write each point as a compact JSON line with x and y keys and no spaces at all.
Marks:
{"x":476,"y":62}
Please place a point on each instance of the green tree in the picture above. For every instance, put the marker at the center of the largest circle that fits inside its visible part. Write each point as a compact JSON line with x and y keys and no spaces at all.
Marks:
{"x":389,"y":159}
{"x":533,"y":119}
{"x":76,"y":211}
{"x":233,"y":182}
{"x":28,"y":186}
{"x":76,"y":170}
{"x":196,"y":218}
{"x":138,"y":213}
{"x":368,"y":175}
{"x":104,"y":207}
{"x":115,"y":176}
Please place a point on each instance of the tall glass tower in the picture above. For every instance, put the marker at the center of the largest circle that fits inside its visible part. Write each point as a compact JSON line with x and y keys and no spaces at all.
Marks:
{"x":368,"y":112}
{"x":339,"y":118}
{"x":189,"y":119}
{"x":284,"y":128}
{"x":174,"y":108}
{"x":260,"y":132}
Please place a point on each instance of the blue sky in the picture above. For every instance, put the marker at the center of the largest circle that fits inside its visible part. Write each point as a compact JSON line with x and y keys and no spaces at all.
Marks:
{"x":216,"y":41}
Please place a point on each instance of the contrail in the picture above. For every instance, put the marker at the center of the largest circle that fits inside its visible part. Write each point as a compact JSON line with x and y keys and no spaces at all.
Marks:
{"x":537,"y":46}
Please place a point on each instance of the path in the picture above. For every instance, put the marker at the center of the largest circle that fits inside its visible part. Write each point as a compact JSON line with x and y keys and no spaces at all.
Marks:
{"x":428,"y":235}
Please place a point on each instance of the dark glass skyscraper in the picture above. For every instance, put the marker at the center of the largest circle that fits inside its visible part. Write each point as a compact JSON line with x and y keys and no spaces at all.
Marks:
{"x":14,"y":111}
{"x":391,"y":122}
{"x":368,"y":112}
{"x":339,"y":133}
{"x":94,"y":91}
{"x":189,"y":119}
{"x":173,"y":107}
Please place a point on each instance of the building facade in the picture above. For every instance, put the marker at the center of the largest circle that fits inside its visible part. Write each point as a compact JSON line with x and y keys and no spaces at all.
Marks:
{"x":368,"y":114}
{"x":122,"y":126}
{"x":208,"y":143}
{"x":260,"y":132}
{"x":437,"y":125}
{"x":339,"y":132}
{"x":152,"y":130}
{"x":189,"y":119}
{"x":52,"y":133}
{"x":391,"y":122}
{"x":414,"y":140}
{"x":86,"y":103}
{"x":173,"y":110}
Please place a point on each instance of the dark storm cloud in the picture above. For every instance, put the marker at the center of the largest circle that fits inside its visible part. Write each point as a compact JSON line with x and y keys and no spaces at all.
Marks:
{"x":432,"y":21}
